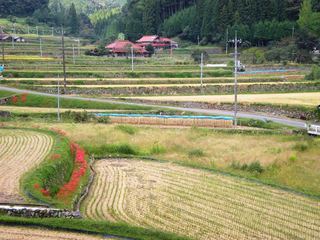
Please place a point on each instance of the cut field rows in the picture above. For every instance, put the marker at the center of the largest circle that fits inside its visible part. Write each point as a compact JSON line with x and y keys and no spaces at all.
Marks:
{"x":199,"y":204}
{"x":20,"y":151}
{"x":23,"y":233}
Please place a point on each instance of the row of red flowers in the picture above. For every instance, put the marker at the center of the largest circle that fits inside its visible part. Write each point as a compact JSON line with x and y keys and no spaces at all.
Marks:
{"x":79,"y":170}
{"x":15,"y":99}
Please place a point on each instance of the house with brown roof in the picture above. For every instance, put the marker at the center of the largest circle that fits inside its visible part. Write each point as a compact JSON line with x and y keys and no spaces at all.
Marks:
{"x":123,"y":48}
{"x":157,"y":42}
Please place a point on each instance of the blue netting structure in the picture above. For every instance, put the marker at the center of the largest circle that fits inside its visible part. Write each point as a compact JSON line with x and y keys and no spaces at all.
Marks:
{"x":162,"y":116}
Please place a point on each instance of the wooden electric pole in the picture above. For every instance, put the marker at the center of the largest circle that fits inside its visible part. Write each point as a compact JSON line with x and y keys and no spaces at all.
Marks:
{"x":64,"y":63}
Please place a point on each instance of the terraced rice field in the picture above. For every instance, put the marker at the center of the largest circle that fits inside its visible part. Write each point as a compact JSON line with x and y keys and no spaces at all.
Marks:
{"x":23,"y":233}
{"x":307,"y":99}
{"x":197,"y":203}
{"x":20,"y":151}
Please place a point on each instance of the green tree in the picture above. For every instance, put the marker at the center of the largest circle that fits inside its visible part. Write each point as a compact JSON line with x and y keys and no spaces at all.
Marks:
{"x":74,"y":22}
{"x":308,"y":19}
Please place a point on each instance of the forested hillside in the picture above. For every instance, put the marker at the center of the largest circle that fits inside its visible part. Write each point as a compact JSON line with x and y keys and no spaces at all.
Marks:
{"x":20,"y":8}
{"x":209,"y":19}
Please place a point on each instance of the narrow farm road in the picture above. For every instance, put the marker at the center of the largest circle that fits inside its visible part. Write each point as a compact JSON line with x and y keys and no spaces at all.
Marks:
{"x":286,"y":121}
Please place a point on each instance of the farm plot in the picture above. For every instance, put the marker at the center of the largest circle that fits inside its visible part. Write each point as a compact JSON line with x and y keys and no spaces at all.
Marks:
{"x":22,"y":233}
{"x":20,"y":151}
{"x":197,"y":203}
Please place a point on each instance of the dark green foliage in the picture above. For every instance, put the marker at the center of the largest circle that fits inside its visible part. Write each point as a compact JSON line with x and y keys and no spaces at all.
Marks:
{"x":254,"y":167}
{"x":315,"y":73}
{"x":73,"y":22}
{"x":120,"y":149}
{"x":20,"y":8}
{"x":150,"y":49}
{"x":194,"y":153}
{"x":196,"y":55}
{"x":127,"y":129}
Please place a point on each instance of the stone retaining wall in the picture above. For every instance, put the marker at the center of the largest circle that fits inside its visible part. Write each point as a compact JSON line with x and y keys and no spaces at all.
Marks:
{"x":37,"y":212}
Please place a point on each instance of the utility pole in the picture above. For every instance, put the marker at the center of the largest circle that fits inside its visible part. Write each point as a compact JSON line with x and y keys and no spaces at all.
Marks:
{"x":201,"y":74}
{"x":74,"y":60}
{"x":58,"y":112}
{"x":236,"y":80}
{"x":2,"y":45}
{"x":293,"y":32}
{"x":37,"y":29}
{"x":52,"y":31}
{"x":132,"y":68}
{"x":14,"y":28}
{"x":198,"y":40}
{"x":64,"y":63}
{"x":79,"y":48}
{"x":28,"y":30}
{"x":12,"y":41}
{"x":227,"y":41}
{"x":41,"y":47}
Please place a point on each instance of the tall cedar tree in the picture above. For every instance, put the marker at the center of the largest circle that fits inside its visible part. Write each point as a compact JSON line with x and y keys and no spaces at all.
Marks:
{"x":74,"y":22}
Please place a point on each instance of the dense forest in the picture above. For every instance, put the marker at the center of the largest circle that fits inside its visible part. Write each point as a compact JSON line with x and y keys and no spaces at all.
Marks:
{"x":20,"y":8}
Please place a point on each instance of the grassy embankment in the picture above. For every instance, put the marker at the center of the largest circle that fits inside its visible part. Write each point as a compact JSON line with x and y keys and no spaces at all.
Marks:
{"x":51,"y":102}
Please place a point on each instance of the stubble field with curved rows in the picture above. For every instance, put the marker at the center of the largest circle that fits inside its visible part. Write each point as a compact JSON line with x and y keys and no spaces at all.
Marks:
{"x":197,"y":203}
{"x":23,"y":233}
{"x":20,"y":151}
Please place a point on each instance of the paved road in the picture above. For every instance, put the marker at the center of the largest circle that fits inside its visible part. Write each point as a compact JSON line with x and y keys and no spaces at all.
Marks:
{"x":257,"y":116}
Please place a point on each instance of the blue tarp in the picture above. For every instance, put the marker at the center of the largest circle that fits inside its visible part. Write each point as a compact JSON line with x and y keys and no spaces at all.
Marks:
{"x":162,"y":116}
{"x":1,"y":69}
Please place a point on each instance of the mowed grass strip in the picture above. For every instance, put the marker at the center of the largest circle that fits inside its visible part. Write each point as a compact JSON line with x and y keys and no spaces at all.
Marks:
{"x":33,"y":100}
{"x":199,"y":204}
{"x":301,"y":98}
{"x":20,"y":151}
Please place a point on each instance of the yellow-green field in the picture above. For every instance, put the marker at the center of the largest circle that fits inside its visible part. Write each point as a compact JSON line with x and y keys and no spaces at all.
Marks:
{"x":197,"y":203}
{"x":306,"y":99}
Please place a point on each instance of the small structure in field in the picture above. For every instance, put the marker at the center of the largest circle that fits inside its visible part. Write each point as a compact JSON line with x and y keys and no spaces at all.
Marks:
{"x":157,"y":42}
{"x":124,"y":48}
{"x":8,"y":38}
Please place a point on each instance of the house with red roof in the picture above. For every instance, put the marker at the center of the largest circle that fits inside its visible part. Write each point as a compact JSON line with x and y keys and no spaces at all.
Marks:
{"x":157,"y":42}
{"x":123,"y":48}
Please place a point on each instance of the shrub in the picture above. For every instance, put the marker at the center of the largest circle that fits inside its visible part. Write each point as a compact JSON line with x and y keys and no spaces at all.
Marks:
{"x":196,"y":56}
{"x":196,"y":153}
{"x":157,"y":149}
{"x":127,"y":129}
{"x":301,"y":147}
{"x":315,"y":73}
{"x":254,"y":167}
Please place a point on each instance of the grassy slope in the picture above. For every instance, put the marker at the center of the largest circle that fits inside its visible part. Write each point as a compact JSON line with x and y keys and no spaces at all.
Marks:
{"x":92,"y":227}
{"x":51,"y":102}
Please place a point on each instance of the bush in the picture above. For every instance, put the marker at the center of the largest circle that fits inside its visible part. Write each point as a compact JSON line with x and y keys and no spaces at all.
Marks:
{"x":196,"y":55}
{"x":315,"y":73}
{"x":301,"y":147}
{"x":196,"y":153}
{"x":78,"y":117}
{"x":254,"y":167}
{"x":157,"y":149}
{"x":127,"y":129}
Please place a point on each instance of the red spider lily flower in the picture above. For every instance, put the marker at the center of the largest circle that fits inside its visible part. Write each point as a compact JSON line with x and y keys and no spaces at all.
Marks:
{"x":79,"y":171}
{"x":36,"y":186}
{"x":45,"y":192}
{"x":55,"y":156}
{"x":24,"y":97}
{"x":14,"y":99}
